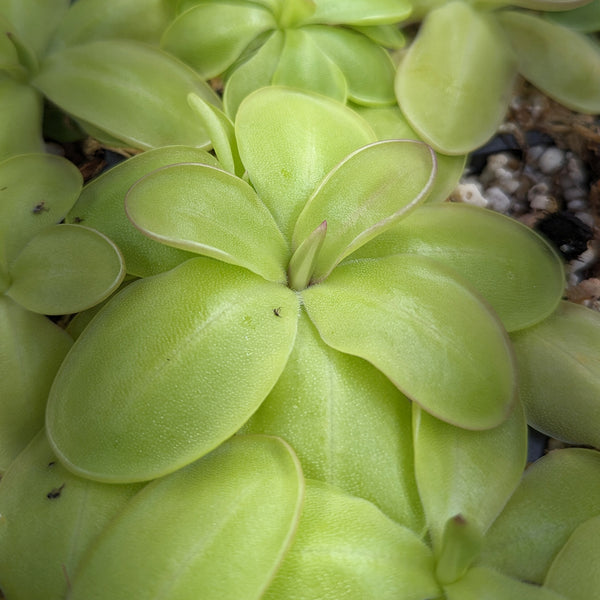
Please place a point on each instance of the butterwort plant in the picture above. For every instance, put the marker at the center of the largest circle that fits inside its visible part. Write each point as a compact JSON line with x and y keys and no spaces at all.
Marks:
{"x":177,"y":362}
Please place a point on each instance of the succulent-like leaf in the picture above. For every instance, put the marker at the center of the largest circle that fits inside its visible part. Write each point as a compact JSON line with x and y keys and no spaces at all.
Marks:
{"x":19,"y":103}
{"x":585,"y":18}
{"x":363,"y":196}
{"x":289,"y":140}
{"x":124,"y":410}
{"x":134,"y":92}
{"x":304,"y":65}
{"x":559,"y":374}
{"x":64,"y":269}
{"x":90,"y":20}
{"x":561,"y":62}
{"x":471,"y":473}
{"x":557,"y":493}
{"x":387,"y":36}
{"x":49,"y":519}
{"x":549,"y":5}
{"x":480,"y":582}
{"x":445,"y":350}
{"x":303,"y":261}
{"x":29,"y":204}
{"x":210,"y":36}
{"x":575,"y":572}
{"x":368,"y":68}
{"x":101,"y":205}
{"x":455,"y":80}
{"x":513,"y":268}
{"x":346,"y":548}
{"x":360,"y":12}
{"x":209,"y":211}
{"x":216,"y":530}
{"x":348,"y":424}
{"x":31,"y":350}
{"x":293,"y":13}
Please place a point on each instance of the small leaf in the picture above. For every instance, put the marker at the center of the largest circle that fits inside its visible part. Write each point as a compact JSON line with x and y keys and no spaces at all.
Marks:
{"x":208,"y":211}
{"x":134,"y":92}
{"x":361,"y":12}
{"x":387,"y":36}
{"x":364,"y":195}
{"x":50,"y":518}
{"x":575,"y":572}
{"x":211,"y":36}
{"x":289,"y":140}
{"x":303,"y":261}
{"x":29,"y":204}
{"x":471,"y":473}
{"x":559,"y":374}
{"x":346,"y":548}
{"x":31,"y":350}
{"x":65,"y":269}
{"x":213,"y":349}
{"x":585,"y":18}
{"x":557,"y":493}
{"x":101,"y":206}
{"x":217,"y":529}
{"x":435,"y":340}
{"x":455,"y":80}
{"x":561,"y":62}
{"x":348,"y":424}
{"x":513,"y":268}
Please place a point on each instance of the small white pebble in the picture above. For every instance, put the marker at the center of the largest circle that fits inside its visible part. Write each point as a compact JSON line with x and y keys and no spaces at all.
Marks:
{"x":469,"y":193}
{"x":574,"y":193}
{"x":577,"y":205}
{"x":576,"y":169}
{"x":497,"y":199}
{"x":551,"y":160}
{"x":534,"y":153}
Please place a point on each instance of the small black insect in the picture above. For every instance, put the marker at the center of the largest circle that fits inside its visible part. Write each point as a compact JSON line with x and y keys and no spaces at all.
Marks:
{"x":39,"y":208}
{"x":277,"y":311}
{"x":51,"y":463}
{"x":77,"y":220}
{"x":55,"y":493}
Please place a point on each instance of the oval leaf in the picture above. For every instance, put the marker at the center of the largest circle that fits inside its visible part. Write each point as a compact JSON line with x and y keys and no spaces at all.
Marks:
{"x":208,"y":211}
{"x":455,"y":80}
{"x":215,"y":530}
{"x":360,"y":12}
{"x":213,"y":349}
{"x":65,"y":269}
{"x":132,"y":91}
{"x":434,"y":338}
{"x":363,"y":196}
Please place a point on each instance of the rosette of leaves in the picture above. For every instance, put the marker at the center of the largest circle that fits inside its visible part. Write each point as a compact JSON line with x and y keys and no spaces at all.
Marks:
{"x":326,"y":46}
{"x":45,"y":269}
{"x":465,"y":58}
{"x":177,"y":362}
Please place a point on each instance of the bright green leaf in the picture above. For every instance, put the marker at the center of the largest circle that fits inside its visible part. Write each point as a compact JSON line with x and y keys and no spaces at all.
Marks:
{"x":425,"y":330}
{"x":65,"y":269}
{"x":209,"y":211}
{"x":361,"y":12}
{"x":387,"y":36}
{"x":121,"y":410}
{"x":216,"y":530}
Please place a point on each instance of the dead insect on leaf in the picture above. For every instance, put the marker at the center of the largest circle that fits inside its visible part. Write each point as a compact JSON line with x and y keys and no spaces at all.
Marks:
{"x":55,"y":493}
{"x":277,"y":311}
{"x":39,"y":208}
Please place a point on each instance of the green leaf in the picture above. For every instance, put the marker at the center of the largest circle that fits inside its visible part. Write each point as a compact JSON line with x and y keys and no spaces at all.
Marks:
{"x":28,"y":204}
{"x":363,"y":196}
{"x":134,"y":92}
{"x":348,"y":424}
{"x":304,"y":65}
{"x":425,"y":330}
{"x":455,"y":80}
{"x":50,"y":518}
{"x":562,"y":63}
{"x":20,"y":104}
{"x":550,"y":5}
{"x":31,"y":350}
{"x":512,"y":267}
{"x":575,"y":572}
{"x":293,"y":13}
{"x":101,"y":206}
{"x":585,"y":18}
{"x":212,"y":35}
{"x":289,"y":140}
{"x":471,"y":473}
{"x":346,"y":548}
{"x":559,"y":374}
{"x":208,"y":211}
{"x":481,"y":582}
{"x":65,"y":269}
{"x":368,"y":68}
{"x":90,"y":20}
{"x":217,"y":529}
{"x":557,"y":493}
{"x":255,"y":72}
{"x":361,"y":12}
{"x":388,"y":36}
{"x":303,"y":261}
{"x":212,"y":350}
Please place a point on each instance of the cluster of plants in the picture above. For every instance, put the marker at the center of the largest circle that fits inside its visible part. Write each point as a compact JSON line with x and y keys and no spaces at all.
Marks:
{"x":281,"y":365}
